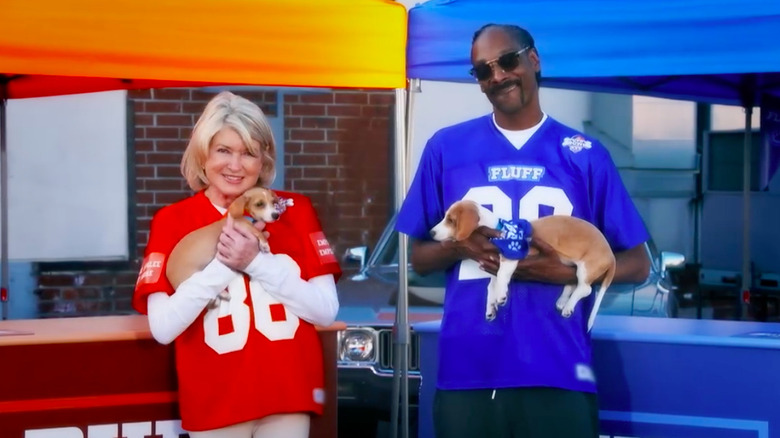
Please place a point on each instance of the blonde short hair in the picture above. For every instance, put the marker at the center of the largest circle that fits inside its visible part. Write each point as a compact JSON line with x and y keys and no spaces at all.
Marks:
{"x":247,"y":119}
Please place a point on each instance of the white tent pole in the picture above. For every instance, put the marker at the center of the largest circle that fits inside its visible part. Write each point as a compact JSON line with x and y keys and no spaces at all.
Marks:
{"x":4,"y":271}
{"x":400,"y":391}
{"x":747,"y":273}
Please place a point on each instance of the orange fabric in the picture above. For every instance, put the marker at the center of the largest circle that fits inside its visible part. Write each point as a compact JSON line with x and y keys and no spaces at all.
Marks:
{"x":325,"y":43}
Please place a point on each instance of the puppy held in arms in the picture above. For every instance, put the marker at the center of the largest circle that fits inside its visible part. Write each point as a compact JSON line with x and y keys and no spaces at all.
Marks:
{"x":195,"y":250}
{"x":577,"y":243}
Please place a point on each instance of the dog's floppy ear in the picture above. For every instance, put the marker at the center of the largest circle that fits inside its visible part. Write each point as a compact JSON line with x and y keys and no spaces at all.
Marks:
{"x":466,"y":222}
{"x":237,"y":207}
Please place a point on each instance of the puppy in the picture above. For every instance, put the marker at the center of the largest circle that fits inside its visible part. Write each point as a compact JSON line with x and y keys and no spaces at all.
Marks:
{"x":195,"y":250}
{"x":576,"y":241}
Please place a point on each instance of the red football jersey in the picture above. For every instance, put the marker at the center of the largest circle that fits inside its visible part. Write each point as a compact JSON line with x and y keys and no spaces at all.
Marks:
{"x":250,"y":357}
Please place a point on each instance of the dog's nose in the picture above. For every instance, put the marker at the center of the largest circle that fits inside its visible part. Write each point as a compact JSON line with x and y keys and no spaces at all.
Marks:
{"x":275,"y":216}
{"x":433,"y":233}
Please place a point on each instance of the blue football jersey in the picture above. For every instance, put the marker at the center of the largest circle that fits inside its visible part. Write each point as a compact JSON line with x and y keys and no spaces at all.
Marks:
{"x":558,"y":171}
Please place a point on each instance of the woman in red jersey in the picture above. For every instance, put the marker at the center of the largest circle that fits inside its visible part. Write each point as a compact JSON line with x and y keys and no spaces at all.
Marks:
{"x":252,"y":366}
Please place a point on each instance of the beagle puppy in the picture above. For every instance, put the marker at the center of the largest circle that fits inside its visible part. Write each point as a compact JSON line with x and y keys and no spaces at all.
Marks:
{"x":577,"y":242}
{"x":195,"y":250}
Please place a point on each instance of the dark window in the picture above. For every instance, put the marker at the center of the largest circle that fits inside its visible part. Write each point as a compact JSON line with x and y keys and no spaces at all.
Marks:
{"x":725,"y":161}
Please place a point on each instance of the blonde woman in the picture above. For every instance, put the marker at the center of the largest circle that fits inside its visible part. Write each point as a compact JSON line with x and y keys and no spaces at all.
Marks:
{"x":252,"y":367}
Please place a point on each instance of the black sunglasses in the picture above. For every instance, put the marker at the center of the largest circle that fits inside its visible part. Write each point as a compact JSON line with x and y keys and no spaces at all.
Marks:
{"x":507,"y":62}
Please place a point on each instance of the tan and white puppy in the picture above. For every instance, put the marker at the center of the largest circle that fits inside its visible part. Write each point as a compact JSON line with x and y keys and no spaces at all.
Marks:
{"x":195,"y":250}
{"x":577,"y":242}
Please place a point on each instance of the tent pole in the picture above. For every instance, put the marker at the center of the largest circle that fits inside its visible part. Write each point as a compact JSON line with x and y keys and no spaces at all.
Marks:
{"x":400,"y":391}
{"x":747,"y":273}
{"x":4,"y":271}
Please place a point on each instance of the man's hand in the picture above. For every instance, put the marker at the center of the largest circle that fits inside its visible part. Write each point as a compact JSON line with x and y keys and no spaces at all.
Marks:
{"x":542,"y":264}
{"x":477,"y":247}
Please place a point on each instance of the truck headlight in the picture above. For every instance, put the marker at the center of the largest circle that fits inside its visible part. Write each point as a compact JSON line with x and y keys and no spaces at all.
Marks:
{"x":357,"y":345}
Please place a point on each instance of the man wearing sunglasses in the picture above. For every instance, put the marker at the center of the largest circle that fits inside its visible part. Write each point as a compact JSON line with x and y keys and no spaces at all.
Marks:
{"x":527,"y":373}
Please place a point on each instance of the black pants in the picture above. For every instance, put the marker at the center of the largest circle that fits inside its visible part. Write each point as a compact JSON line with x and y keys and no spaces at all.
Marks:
{"x":515,"y":413}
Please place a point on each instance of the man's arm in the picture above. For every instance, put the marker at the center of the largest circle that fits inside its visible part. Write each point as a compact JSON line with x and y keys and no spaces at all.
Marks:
{"x":632,"y":266}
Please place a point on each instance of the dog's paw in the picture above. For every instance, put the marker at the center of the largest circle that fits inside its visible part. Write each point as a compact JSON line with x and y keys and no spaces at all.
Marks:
{"x":561,"y":303}
{"x":265,"y":248}
{"x":567,"y":311}
{"x":502,"y":299}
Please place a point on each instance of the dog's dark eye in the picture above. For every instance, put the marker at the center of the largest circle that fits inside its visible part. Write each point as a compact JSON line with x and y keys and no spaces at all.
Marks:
{"x":260,"y":204}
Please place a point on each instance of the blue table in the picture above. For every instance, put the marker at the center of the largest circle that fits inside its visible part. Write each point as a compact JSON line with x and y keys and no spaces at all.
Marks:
{"x":674,"y":378}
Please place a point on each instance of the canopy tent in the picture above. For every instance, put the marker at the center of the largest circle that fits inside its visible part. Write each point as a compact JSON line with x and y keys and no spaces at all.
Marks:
{"x":713,"y":51}
{"x":51,"y":47}
{"x":716,"y":51}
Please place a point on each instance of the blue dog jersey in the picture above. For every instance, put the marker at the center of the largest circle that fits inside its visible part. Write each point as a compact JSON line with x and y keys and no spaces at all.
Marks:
{"x":514,"y":239}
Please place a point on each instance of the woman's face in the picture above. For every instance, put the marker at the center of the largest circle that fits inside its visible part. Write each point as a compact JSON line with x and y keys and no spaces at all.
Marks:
{"x":230,"y":168}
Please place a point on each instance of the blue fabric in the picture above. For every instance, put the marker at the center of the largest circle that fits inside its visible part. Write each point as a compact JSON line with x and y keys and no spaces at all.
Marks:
{"x":558,"y":170}
{"x":705,"y":50}
{"x":514,"y":239}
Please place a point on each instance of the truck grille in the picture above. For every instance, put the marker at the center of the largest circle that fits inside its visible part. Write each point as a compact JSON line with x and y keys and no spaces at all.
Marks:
{"x":386,"y":351}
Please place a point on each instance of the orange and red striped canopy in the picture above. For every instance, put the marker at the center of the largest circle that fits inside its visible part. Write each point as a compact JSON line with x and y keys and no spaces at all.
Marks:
{"x":50,"y":47}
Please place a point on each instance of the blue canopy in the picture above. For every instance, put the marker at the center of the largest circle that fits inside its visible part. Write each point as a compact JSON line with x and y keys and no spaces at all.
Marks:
{"x":716,"y":51}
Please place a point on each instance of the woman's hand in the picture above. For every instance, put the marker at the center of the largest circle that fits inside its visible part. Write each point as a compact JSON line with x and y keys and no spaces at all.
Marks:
{"x":237,"y":247}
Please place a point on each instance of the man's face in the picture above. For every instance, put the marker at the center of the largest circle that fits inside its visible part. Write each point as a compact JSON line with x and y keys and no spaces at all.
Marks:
{"x":508,"y":90}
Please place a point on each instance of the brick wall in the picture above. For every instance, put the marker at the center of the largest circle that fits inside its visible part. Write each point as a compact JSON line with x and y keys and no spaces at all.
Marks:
{"x":338,"y":151}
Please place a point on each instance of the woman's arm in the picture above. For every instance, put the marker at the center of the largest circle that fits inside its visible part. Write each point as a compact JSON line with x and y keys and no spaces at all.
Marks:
{"x":170,"y":315}
{"x":315,"y":301}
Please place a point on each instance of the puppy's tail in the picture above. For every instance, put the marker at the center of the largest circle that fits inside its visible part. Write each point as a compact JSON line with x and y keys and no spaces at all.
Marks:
{"x":610,"y":274}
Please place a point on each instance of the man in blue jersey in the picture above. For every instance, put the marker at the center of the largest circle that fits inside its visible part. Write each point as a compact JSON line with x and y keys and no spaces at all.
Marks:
{"x":528,"y":372}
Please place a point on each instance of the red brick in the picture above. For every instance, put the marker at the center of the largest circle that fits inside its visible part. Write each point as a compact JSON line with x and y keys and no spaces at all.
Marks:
{"x":291,"y":172}
{"x":168,"y":171}
{"x":163,"y":158}
{"x":144,"y":198}
{"x":54,"y":280}
{"x":143,"y":119}
{"x":292,"y":122}
{"x":155,"y":132}
{"x":195,"y":108}
{"x":293,"y":147}
{"x":174,"y":120}
{"x":139,"y":94}
{"x":356,"y":98}
{"x":321,"y":148}
{"x":177,"y":145}
{"x":144,"y":172}
{"x":383,"y":98}
{"x":325,"y":97}
{"x":307,"y":110}
{"x":156,"y":106}
{"x":356,"y":124}
{"x":375,"y":111}
{"x":171,"y":93}
{"x":291,"y":98}
{"x":320,"y":172}
{"x":318,"y":122}
{"x":143,"y":145}
{"x":310,"y":186}
{"x":308,"y":160}
{"x":167,"y":184}
{"x":307,"y":134}
{"x":344,"y":110}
